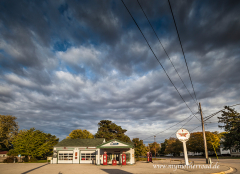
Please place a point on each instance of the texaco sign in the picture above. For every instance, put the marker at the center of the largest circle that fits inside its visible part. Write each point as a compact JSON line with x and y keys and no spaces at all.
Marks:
{"x":183,"y":135}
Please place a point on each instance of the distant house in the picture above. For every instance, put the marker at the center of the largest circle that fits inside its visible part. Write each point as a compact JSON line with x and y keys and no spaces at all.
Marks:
{"x":192,"y":154}
{"x":3,"y":153}
{"x":235,"y":152}
{"x":224,"y":152}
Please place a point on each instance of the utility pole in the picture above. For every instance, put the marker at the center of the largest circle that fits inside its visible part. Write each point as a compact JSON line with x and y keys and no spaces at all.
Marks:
{"x":204,"y":136}
{"x":155,"y":144}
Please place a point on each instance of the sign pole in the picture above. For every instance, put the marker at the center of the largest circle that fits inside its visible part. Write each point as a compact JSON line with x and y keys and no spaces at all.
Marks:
{"x":183,"y":135}
{"x":185,"y":153}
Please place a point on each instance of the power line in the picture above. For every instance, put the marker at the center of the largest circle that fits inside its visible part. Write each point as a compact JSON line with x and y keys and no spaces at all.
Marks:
{"x":166,"y":52}
{"x":206,"y":118}
{"x":182,"y":49}
{"x":158,"y":59}
{"x":212,"y":115}
{"x":195,"y":128}
{"x":182,"y":126}
{"x":169,"y":127}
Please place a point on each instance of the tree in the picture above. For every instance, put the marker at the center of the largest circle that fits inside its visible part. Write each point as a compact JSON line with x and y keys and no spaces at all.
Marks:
{"x":8,"y":130}
{"x":195,"y":142}
{"x":109,"y":130}
{"x":34,"y":143}
{"x":163,"y":147}
{"x":139,"y":147}
{"x":80,"y":134}
{"x":154,"y":148}
{"x":231,"y":121}
{"x":174,"y":146}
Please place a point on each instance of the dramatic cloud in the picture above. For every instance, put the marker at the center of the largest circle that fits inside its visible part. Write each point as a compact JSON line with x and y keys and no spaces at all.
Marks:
{"x":66,"y":65}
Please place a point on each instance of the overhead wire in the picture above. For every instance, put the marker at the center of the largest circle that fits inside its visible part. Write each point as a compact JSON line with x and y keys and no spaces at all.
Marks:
{"x":157,"y":58}
{"x":183,"y":125}
{"x":212,"y":115}
{"x":182,"y":49}
{"x":166,"y":52}
{"x":169,"y":127}
{"x":206,"y":118}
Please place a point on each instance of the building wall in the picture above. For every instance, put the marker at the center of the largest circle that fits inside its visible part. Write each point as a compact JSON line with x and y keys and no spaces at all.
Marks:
{"x":84,"y":155}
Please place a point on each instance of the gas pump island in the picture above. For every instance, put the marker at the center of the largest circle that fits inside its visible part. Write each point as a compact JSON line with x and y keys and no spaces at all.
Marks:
{"x":183,"y":135}
{"x":114,"y":161}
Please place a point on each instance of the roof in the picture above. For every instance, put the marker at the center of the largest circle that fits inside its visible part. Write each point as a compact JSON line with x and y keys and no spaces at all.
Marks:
{"x":80,"y":142}
{"x":126,"y":145}
{"x":3,"y":152}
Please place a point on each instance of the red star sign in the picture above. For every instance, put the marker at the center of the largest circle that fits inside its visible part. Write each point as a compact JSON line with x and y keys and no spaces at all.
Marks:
{"x":183,"y":134}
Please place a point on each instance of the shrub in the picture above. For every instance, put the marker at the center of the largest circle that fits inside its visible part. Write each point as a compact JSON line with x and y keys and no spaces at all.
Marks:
{"x":33,"y":159}
{"x":10,"y":159}
{"x":25,"y":159}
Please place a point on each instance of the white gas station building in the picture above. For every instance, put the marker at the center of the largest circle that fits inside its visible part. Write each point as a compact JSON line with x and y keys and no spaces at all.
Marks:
{"x":90,"y":151}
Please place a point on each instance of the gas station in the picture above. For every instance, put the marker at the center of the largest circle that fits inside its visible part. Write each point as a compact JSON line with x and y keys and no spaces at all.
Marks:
{"x":115,"y":152}
{"x":93,"y":151}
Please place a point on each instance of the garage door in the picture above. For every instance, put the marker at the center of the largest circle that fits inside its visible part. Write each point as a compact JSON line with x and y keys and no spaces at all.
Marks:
{"x":65,"y":156}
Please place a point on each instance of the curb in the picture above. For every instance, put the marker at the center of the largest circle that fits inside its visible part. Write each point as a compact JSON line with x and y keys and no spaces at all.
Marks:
{"x":225,"y":172}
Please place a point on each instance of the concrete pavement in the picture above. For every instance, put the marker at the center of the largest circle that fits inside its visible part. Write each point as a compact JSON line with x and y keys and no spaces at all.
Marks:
{"x":158,"y":166}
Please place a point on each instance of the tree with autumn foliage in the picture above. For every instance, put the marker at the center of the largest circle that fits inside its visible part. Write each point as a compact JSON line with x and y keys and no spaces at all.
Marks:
{"x":154,"y":148}
{"x":231,"y":120}
{"x":195,"y":142}
{"x":80,"y":134}
{"x":139,"y":148}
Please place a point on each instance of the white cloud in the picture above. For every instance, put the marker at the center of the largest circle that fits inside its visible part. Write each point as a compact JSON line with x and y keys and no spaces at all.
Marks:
{"x":80,"y":55}
{"x":14,"y":79}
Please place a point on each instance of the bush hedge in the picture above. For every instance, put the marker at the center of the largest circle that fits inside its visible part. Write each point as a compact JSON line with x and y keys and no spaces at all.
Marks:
{"x":10,"y":159}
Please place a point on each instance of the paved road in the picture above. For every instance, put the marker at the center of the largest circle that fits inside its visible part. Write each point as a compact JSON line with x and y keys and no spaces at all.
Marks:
{"x":139,"y":167}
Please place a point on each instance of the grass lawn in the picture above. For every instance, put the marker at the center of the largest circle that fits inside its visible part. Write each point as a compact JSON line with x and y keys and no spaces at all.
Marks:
{"x":225,"y":157}
{"x":145,"y":159}
{"x":38,"y":161}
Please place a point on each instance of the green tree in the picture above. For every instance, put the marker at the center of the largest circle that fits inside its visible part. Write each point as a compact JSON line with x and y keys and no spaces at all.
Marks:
{"x":8,"y":130}
{"x":231,"y":121}
{"x":174,"y":146}
{"x":163,"y":147}
{"x":154,"y":148}
{"x":34,"y":143}
{"x":195,"y":142}
{"x":80,"y":134}
{"x":109,"y":130}
{"x":139,"y":147}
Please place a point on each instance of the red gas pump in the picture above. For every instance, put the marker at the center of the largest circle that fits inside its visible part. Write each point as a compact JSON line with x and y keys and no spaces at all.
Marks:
{"x":105,"y":158}
{"x":148,"y":157}
{"x":124,"y":159}
{"x":114,"y":162}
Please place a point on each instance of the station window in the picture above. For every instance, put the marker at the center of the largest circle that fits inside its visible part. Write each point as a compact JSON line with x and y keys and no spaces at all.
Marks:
{"x":127,"y":157}
{"x":109,"y":157}
{"x":88,"y":156}
{"x":65,"y":156}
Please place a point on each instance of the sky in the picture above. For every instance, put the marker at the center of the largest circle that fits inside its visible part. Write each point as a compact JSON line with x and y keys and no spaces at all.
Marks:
{"x":66,"y":65}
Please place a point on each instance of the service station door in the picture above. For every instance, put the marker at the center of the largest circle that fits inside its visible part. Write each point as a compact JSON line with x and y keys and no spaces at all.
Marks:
{"x":76,"y":156}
